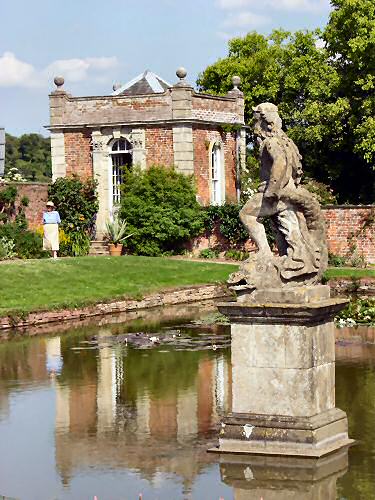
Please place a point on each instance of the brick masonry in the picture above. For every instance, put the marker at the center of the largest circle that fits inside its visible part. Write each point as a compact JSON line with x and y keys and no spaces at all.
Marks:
{"x":203,"y":138}
{"x":351,"y":226}
{"x":78,"y":153}
{"x":37,"y":193}
{"x":159,"y":146}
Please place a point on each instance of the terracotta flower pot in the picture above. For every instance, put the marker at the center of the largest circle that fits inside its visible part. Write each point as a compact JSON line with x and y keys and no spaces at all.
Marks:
{"x":115,"y":249}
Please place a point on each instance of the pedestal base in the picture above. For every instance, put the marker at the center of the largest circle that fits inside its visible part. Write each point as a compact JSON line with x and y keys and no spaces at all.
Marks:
{"x":283,"y":374}
{"x":280,"y":435}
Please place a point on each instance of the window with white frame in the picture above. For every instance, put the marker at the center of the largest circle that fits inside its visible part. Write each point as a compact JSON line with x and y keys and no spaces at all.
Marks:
{"x":121,"y":154}
{"x":217,"y":178}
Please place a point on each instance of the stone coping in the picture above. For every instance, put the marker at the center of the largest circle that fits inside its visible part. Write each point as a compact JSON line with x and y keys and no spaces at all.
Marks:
{"x":154,"y":95}
{"x":182,"y":295}
{"x":285,"y":422}
{"x":145,"y":123}
{"x":277,"y":313}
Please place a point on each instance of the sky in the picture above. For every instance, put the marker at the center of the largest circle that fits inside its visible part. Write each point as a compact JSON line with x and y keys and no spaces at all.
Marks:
{"x":94,"y":44}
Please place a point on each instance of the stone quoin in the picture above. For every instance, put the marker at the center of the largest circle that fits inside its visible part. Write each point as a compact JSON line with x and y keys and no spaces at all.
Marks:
{"x":148,"y":122}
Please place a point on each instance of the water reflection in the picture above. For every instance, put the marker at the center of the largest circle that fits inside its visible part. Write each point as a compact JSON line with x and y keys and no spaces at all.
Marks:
{"x":283,"y":478}
{"x":78,"y":421}
{"x":152,"y":411}
{"x":137,"y":408}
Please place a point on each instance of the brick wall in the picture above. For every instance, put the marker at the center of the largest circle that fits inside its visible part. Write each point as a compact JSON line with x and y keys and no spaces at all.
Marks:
{"x":214,"y":108}
{"x":346,"y":226}
{"x":159,"y":146}
{"x":37,"y":193}
{"x":202,"y":138}
{"x":341,"y":223}
{"x":78,"y":153}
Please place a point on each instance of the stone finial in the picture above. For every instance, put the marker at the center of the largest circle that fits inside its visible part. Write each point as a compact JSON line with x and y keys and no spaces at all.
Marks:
{"x":235,"y":92}
{"x":116,"y":86}
{"x":236,"y":80}
{"x":181,"y":73}
{"x":59,"y":82}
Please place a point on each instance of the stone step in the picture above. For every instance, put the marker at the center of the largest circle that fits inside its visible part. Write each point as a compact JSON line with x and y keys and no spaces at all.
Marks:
{"x":99,"y":248}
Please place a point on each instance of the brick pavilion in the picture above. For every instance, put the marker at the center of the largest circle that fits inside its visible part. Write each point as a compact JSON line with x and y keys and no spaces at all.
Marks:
{"x":145,"y":122}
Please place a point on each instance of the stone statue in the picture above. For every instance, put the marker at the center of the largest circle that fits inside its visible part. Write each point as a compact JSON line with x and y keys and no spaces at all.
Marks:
{"x":294,"y":212}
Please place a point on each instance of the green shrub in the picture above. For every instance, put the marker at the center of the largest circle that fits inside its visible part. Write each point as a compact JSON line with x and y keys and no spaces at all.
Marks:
{"x":236,"y":254}
{"x":25,"y":201}
{"x":160,"y":207}
{"x":27,"y":244}
{"x":6,"y":248}
{"x":322,"y":192}
{"x":8,"y":196}
{"x":336,"y":260}
{"x":226,"y":218}
{"x":77,"y":203}
{"x":358,"y":311}
{"x":209,"y":253}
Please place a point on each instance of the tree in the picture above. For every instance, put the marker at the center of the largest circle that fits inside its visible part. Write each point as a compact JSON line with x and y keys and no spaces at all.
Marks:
{"x":350,"y":41}
{"x":295,"y":72}
{"x":161,"y":210}
{"x":30,"y":154}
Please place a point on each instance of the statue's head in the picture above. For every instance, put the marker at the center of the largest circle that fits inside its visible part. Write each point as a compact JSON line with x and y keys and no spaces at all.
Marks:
{"x":267,"y":119}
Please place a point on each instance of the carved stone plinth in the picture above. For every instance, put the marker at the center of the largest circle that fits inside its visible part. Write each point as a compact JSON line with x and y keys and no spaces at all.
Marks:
{"x":283,"y":376}
{"x":283,"y":478}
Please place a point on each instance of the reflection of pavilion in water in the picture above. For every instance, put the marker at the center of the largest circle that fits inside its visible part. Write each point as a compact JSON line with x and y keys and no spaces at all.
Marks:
{"x":105,"y":422}
{"x":21,"y":364}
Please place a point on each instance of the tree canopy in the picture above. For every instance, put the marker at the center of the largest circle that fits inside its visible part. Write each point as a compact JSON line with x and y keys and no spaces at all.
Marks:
{"x":30,"y":154}
{"x":306,"y":74}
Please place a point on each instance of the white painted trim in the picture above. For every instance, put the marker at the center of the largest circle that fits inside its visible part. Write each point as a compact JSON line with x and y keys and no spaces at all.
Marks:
{"x":221,"y":176}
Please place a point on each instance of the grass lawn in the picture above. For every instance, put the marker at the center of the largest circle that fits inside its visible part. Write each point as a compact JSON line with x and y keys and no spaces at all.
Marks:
{"x":349,"y":272}
{"x":46,"y":284}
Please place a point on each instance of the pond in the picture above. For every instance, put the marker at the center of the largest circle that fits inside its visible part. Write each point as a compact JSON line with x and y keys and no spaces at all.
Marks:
{"x":99,"y":411}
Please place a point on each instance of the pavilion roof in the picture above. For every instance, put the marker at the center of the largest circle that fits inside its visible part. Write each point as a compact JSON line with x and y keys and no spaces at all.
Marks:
{"x":145,"y":83}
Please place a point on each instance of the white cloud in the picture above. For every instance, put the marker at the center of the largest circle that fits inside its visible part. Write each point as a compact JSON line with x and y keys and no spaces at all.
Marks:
{"x":233,"y":4}
{"x":224,"y":36}
{"x":301,"y":5}
{"x":17,"y":73}
{"x":246,"y":19}
{"x":101,"y":63}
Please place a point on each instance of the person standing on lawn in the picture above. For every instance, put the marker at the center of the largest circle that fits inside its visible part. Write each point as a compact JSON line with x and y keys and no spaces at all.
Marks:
{"x":51,"y":221}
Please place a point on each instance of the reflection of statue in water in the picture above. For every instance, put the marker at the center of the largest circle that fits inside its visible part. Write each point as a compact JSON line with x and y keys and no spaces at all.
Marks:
{"x":295,"y":215}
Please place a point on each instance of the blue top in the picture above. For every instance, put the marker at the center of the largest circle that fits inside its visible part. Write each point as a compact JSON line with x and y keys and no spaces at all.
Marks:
{"x":51,"y":217}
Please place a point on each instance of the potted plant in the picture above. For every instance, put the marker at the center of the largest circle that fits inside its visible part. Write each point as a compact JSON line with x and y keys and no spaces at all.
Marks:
{"x":116,"y":235}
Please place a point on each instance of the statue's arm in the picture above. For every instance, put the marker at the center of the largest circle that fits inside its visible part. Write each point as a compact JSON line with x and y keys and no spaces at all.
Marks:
{"x":278,"y":172}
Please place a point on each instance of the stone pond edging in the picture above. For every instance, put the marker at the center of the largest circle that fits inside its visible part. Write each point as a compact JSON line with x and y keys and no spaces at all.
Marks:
{"x":166,"y":298}
{"x":359,"y":286}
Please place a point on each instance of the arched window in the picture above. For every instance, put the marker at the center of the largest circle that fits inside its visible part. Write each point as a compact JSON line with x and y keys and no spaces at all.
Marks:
{"x":217,"y":177}
{"x":121,"y":154}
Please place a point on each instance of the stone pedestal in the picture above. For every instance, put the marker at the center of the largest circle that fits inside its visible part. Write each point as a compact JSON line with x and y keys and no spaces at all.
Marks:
{"x":283,"y":478}
{"x":283,"y":375}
